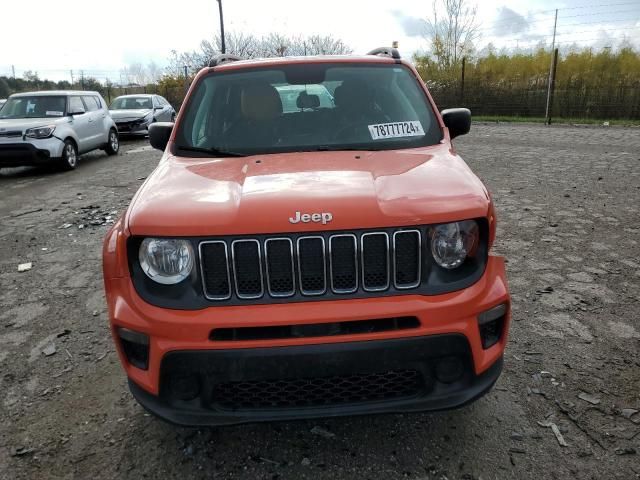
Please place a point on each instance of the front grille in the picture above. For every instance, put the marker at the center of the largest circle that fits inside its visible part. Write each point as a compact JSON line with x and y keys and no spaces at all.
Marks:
{"x":335,"y":264}
{"x":10,"y":134}
{"x":319,"y":391}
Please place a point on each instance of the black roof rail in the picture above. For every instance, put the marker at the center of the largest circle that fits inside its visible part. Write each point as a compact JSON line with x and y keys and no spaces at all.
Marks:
{"x":386,"y":52}
{"x":224,"y":58}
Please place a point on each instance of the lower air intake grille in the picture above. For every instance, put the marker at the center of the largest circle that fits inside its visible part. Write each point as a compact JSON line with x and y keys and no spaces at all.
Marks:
{"x":321,"y":391}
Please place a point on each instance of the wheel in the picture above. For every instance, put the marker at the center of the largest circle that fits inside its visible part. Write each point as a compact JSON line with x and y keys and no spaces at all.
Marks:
{"x":113,"y":145}
{"x":69,"y":158}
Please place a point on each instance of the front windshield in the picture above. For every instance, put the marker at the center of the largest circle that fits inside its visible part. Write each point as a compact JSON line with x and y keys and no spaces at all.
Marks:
{"x":131,"y":103}
{"x":37,"y":106}
{"x":308,"y":107}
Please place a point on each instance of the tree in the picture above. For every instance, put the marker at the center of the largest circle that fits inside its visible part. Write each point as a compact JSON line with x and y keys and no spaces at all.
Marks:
{"x":249,"y":46}
{"x":5,"y":91}
{"x":452,"y":29}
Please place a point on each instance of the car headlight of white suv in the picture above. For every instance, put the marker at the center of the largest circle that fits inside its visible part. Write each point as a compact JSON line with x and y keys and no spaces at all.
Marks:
{"x":40,"y":132}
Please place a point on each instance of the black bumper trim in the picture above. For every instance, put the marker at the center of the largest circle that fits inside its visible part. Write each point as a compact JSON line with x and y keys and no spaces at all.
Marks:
{"x":326,"y":359}
{"x":22,"y":154}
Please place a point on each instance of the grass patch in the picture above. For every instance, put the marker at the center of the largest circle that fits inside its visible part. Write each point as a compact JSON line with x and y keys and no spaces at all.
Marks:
{"x":588,"y":121}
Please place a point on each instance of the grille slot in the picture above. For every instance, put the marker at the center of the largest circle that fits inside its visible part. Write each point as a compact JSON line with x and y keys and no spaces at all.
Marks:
{"x":11,"y":133}
{"x":278,"y":253}
{"x":312,"y":265}
{"x":351,"y":327}
{"x":318,"y":391}
{"x":215,"y":270}
{"x":343,"y":263}
{"x":375,"y":261}
{"x":407,"y":258}
{"x":247,"y":266}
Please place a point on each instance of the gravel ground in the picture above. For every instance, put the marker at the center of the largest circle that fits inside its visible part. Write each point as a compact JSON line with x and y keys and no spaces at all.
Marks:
{"x":568,"y":201}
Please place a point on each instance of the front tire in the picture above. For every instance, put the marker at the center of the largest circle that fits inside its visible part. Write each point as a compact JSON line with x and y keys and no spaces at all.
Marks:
{"x":113,"y":144}
{"x":69,"y":158}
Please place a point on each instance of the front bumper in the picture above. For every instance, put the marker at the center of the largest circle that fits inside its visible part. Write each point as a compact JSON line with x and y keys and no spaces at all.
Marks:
{"x":20,"y":154}
{"x":186,"y":334}
{"x":132,"y":128}
{"x":221,"y":387}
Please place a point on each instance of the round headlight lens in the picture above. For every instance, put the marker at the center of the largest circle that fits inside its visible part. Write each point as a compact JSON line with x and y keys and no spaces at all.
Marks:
{"x":166,"y":261}
{"x":452,"y":243}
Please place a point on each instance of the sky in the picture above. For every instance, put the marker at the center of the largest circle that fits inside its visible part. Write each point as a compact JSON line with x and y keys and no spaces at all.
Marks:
{"x":100,"y":38}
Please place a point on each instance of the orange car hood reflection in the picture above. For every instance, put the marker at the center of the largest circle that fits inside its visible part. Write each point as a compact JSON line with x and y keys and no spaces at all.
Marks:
{"x":258,"y":194}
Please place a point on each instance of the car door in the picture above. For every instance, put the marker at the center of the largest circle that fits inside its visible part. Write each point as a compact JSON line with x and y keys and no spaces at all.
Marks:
{"x":92,"y":107}
{"x":158,"y":109}
{"x":80,"y":122}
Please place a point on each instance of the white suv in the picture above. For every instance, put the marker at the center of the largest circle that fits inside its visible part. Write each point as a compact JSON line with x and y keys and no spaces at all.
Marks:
{"x":54,"y":128}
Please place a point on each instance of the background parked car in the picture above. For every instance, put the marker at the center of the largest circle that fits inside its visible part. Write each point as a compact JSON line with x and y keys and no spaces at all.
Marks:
{"x":54,"y":127}
{"x":134,"y":113}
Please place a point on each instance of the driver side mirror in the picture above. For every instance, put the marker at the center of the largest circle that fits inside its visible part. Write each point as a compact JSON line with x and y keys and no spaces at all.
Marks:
{"x":159,"y":134}
{"x":78,"y":111}
{"x":457,"y":120}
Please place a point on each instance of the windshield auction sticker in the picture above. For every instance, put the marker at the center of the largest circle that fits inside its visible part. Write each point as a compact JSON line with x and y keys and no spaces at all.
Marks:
{"x":53,"y":113}
{"x":396,"y":130}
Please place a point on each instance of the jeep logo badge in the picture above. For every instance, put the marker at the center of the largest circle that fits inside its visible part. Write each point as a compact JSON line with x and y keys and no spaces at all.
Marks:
{"x":324,"y":217}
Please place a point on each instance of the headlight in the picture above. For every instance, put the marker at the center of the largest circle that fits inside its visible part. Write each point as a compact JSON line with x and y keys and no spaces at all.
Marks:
{"x":452,"y":243}
{"x":40,"y":132}
{"x":166,"y":261}
{"x":147,"y":118}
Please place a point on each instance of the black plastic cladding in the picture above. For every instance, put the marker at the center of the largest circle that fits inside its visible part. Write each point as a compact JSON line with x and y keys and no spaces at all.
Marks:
{"x":189,"y":294}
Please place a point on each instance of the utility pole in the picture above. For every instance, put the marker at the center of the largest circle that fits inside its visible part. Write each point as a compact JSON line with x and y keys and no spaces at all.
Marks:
{"x":223,"y":48}
{"x":554,"y":60}
{"x":464,"y":61}
{"x":13,"y":69}
{"x":71,"y":72}
{"x":82,"y":78}
{"x":552,"y":86}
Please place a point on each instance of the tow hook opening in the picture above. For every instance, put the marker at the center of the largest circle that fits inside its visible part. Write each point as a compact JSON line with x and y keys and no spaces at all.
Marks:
{"x":491,"y":325}
{"x":135,"y":346}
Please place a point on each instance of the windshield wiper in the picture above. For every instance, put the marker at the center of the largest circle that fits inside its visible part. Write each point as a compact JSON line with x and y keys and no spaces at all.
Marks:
{"x":211,"y":151}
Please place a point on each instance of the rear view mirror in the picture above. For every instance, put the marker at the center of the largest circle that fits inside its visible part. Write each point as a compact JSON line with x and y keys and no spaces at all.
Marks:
{"x":457,"y":120}
{"x":159,"y":134}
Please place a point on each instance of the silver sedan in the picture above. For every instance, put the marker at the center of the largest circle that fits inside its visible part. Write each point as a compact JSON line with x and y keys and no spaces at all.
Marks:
{"x":134,"y":113}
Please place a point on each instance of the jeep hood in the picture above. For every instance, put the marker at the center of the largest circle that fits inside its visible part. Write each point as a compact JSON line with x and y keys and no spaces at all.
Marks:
{"x":258,"y":194}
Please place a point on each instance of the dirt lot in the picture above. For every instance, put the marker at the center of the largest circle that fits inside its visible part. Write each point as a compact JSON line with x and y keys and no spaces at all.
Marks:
{"x":568,"y":200}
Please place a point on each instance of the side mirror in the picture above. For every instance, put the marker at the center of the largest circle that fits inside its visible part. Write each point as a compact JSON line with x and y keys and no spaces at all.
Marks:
{"x":159,"y":134}
{"x":158,"y":108}
{"x":79,"y":111}
{"x":457,"y":120}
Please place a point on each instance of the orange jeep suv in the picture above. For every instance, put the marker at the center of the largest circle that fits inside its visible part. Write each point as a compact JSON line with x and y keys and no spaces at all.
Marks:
{"x":309,"y":245}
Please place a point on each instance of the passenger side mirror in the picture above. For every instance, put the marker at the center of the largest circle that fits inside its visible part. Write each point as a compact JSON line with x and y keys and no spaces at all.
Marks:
{"x":159,"y":134}
{"x":457,"y":120}
{"x":78,"y":111}
{"x":158,"y":107}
